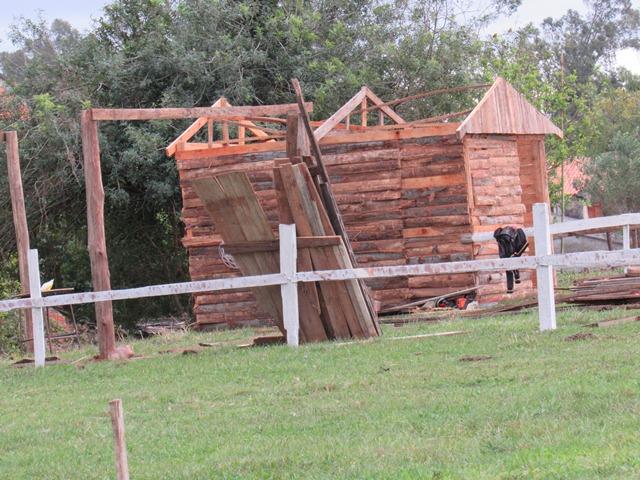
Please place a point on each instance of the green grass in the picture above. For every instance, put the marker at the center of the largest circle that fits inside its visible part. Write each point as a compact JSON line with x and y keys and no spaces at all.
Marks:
{"x":542,"y":407}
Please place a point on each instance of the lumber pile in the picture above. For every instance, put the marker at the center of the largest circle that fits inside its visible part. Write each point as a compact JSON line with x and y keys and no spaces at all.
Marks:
{"x":616,"y":289}
{"x":328,"y":310}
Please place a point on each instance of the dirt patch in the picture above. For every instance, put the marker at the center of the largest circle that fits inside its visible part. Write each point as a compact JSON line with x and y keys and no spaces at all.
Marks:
{"x":579,"y":336}
{"x":475,"y":358}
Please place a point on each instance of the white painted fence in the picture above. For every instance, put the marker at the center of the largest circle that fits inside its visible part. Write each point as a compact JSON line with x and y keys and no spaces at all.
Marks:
{"x":543,"y":262}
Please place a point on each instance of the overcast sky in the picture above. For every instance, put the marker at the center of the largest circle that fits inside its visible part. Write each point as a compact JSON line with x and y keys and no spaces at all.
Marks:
{"x":79,"y":13}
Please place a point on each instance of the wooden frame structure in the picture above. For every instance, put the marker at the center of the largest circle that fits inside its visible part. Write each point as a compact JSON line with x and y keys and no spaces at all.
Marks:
{"x":409,"y":192}
{"x":95,"y":190}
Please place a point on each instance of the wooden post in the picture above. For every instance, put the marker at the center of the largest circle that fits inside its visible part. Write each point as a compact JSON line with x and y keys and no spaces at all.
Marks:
{"x":20,"y":224}
{"x":544,"y":273}
{"x":363,"y":112}
{"x":241,"y":135}
{"x":626,"y":241}
{"x":292,"y":137}
{"x":117,"y":423}
{"x":96,"y":232}
{"x":210,"y":133}
{"x":289,"y":290}
{"x":37,"y":332}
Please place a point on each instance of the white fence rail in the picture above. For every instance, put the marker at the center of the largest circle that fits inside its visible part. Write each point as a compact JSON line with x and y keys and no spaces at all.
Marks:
{"x":623,"y":221}
{"x":543,"y":262}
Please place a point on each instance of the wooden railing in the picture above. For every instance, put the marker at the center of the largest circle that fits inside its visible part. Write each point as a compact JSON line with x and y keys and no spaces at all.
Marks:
{"x":543,"y":262}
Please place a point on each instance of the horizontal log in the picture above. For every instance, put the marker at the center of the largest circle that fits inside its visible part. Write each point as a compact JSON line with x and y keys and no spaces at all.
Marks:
{"x":274,"y":245}
{"x":214,"y":113}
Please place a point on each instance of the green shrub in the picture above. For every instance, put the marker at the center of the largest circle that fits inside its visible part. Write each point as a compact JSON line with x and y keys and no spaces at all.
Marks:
{"x":10,"y":321}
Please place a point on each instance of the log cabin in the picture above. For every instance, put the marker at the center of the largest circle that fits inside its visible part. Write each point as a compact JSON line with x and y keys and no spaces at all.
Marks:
{"x":408,"y":192}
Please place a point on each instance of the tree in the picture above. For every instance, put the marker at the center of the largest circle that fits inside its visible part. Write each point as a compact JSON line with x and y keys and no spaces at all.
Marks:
{"x":613,"y":177}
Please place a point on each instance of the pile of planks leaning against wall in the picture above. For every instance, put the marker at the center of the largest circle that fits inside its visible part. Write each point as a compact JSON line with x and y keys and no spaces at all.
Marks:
{"x":408,"y":192}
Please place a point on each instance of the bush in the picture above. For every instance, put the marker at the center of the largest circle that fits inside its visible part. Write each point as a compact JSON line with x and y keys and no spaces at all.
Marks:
{"x":9,"y":322}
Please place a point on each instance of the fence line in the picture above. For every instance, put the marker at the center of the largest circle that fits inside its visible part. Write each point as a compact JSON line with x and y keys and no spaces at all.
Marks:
{"x":544,"y":263}
{"x":617,"y":258}
{"x":624,"y":221}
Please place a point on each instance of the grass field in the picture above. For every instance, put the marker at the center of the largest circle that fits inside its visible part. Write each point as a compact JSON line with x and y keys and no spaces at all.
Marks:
{"x":541,"y":407}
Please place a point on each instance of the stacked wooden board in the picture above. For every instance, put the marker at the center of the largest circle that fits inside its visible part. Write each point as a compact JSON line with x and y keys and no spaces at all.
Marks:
{"x":328,"y":310}
{"x":615,"y":289}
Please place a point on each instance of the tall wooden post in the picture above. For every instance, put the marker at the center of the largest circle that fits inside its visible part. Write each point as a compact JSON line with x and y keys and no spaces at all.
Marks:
{"x":20,"y":225}
{"x":95,"y":226}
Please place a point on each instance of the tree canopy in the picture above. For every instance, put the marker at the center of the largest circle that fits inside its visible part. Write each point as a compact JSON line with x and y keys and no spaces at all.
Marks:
{"x":154,"y":53}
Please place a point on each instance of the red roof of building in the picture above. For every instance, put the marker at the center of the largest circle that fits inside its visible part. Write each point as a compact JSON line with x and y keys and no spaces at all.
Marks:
{"x":574,"y":175}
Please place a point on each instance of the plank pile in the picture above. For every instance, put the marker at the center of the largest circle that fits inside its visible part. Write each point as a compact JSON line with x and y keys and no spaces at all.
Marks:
{"x":328,"y":310}
{"x":619,"y":289}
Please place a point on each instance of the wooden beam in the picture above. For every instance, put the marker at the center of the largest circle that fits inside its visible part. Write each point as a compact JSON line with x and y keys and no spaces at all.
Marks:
{"x":273,"y":245}
{"x":215,"y":113}
{"x":191,"y":131}
{"x":343,"y":112}
{"x":96,"y":233}
{"x":363,"y":112}
{"x":377,"y":101}
{"x":20,"y":224}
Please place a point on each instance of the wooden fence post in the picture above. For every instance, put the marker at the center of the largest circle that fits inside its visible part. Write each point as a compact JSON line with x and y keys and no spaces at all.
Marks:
{"x":289,"y":290}
{"x":120,"y":445}
{"x":20,"y":224}
{"x":626,"y":241}
{"x":36,"y":313}
{"x":96,"y":232}
{"x":544,"y":273}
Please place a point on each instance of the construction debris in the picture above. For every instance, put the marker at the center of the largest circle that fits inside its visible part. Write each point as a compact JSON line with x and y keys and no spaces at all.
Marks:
{"x":618,"y":289}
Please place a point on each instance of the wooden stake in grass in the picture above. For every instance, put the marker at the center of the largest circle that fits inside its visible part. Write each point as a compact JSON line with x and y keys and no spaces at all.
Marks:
{"x":117,"y":423}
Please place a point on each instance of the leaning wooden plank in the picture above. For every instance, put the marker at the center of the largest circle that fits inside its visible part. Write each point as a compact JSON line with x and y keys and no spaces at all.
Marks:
{"x":308,"y":223}
{"x":365,"y":324}
{"x":309,"y":299}
{"x":247,"y":223}
{"x":327,"y":195}
{"x":214,"y":113}
{"x":361,"y":323}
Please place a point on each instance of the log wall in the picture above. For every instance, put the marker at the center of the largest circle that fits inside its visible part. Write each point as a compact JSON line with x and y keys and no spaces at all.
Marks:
{"x":403,"y":201}
{"x":497,"y":198}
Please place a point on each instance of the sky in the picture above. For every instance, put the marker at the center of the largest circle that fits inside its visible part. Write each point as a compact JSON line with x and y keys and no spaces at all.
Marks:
{"x":80,"y":13}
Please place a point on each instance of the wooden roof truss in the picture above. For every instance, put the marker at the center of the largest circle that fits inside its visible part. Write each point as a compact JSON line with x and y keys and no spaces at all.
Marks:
{"x":246,"y":131}
{"x":359,"y":101}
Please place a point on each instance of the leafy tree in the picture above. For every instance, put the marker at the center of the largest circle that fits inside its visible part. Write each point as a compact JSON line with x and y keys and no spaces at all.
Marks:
{"x":614,"y":176}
